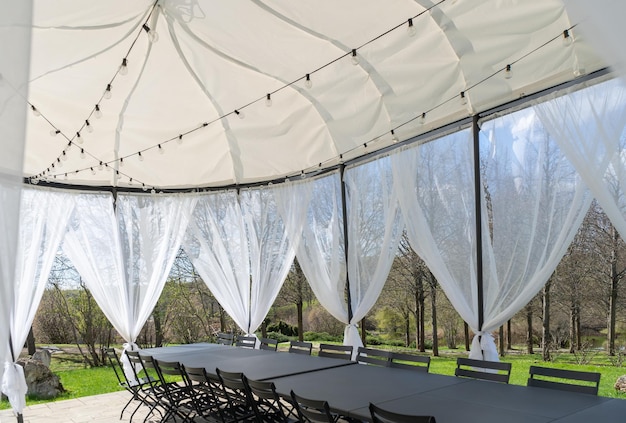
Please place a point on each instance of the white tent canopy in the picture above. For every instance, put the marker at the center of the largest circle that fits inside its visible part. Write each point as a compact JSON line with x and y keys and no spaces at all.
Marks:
{"x":215,"y":62}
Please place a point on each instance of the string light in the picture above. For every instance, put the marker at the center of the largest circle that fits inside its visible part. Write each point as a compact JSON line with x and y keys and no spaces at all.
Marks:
{"x":410,"y":29}
{"x":463,"y":98}
{"x":121,"y":161}
{"x":107,"y":92}
{"x":88,"y":126}
{"x":161,"y":149}
{"x":101,"y":165}
{"x":307,"y":81}
{"x":97,"y":112}
{"x":354,"y":57}
{"x":79,"y":139}
{"x":124,"y":67}
{"x":140,"y":156}
{"x":422,"y":119}
{"x":394,"y":138}
{"x":93,"y":171}
{"x":54,"y":132}
{"x":64,"y":156}
{"x":239,"y":114}
{"x":180,"y":139}
{"x":508,"y":73}
{"x":82,"y":153}
{"x":567,"y":38}
{"x":36,"y":112}
{"x":152,"y":35}
{"x":144,"y":187}
{"x":268,"y":100}
{"x":59,"y":163}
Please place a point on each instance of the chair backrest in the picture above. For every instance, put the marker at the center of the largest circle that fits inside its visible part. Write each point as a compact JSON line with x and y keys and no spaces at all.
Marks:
{"x":225,"y":338}
{"x":268,"y":344}
{"x":336,"y":351}
{"x":494,"y":371}
{"x":371,"y":356}
{"x":114,"y":360}
{"x":419,"y":363}
{"x":380,"y":415}
{"x":299,"y":347}
{"x":245,"y":341}
{"x":310,"y":410}
{"x":238,"y":395}
{"x":566,"y":380}
{"x":268,"y":405}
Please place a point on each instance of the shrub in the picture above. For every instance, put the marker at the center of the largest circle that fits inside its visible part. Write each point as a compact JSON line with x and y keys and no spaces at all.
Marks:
{"x":321,"y":336}
{"x":278,"y":336}
{"x":373,"y":340}
{"x":283,"y":328}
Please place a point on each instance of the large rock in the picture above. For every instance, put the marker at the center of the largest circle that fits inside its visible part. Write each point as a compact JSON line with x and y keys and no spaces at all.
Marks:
{"x":43,"y":356}
{"x":41,"y":382}
{"x":620,"y":384}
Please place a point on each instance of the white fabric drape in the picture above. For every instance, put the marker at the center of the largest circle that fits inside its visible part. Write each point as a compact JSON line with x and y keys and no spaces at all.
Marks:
{"x":535,"y":204}
{"x":15,"y":33}
{"x":588,"y":126}
{"x":313,"y":216}
{"x":374,"y":229}
{"x":217,"y":245}
{"x":239,"y":246}
{"x":125,"y":259}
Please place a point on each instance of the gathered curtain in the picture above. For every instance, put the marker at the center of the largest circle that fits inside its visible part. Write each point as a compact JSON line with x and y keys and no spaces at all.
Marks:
{"x":588,"y":125}
{"x":239,"y":246}
{"x":312,"y":212}
{"x":375,"y":226}
{"x":124,"y":255}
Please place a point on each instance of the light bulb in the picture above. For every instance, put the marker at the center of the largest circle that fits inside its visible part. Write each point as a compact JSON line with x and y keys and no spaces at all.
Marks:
{"x":153,"y":191}
{"x":36,"y":112}
{"x":82,"y":153}
{"x":93,"y":171}
{"x":100,"y":166}
{"x":394,"y":138}
{"x":302,"y":175}
{"x":161,"y":150}
{"x":508,"y":73}
{"x":180,"y":139}
{"x":422,"y":119}
{"x":121,"y":161}
{"x":308,"y":82}
{"x":240,"y":114}
{"x":130,"y":181}
{"x":410,"y":29}
{"x":65,"y":177}
{"x":567,"y":38}
{"x":107,"y":92}
{"x":34,"y":181}
{"x":144,"y":187}
{"x":463,"y":98}
{"x":268,"y":100}
{"x":59,"y":163}
{"x":140,"y":156}
{"x":97,"y":112}
{"x":64,"y":156}
{"x":124,"y":67}
{"x":54,"y":132}
{"x":354,"y":57}
{"x":88,"y":127}
{"x":79,"y":139}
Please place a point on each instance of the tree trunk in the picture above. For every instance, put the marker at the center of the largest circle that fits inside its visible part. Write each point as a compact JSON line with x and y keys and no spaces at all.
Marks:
{"x":363,"y":333}
{"x":501,"y":341}
{"x":407,"y":330}
{"x":422,"y":319}
{"x":546,"y":337}
{"x":222,"y":318}
{"x":529,"y":334}
{"x":158,"y":329}
{"x":572,"y":328}
{"x":30,"y":342}
{"x":613,"y":294}
{"x":508,"y":335}
{"x":466,"y":334}
{"x":433,"y":303}
{"x":579,"y":341}
{"x":300,"y":307}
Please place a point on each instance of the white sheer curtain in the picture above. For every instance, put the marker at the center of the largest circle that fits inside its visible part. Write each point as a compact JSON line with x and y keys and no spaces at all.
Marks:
{"x":311,"y":210}
{"x":15,"y":24}
{"x":125,"y":259}
{"x":375,"y":226}
{"x":271,"y":253}
{"x":588,"y":126}
{"x":535,"y":204}
{"x":239,"y":246}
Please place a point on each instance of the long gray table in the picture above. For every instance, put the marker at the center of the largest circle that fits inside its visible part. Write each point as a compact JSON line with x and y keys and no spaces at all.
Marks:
{"x":349,"y":390}
{"x":255,"y":364}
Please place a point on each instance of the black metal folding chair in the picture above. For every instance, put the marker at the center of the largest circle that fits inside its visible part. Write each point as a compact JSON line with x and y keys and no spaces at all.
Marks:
{"x":310,"y":410}
{"x":380,"y":415}
{"x":494,"y":371}
{"x":175,"y":397}
{"x":205,"y":392}
{"x":298,"y":347}
{"x":245,"y":341}
{"x":374,"y":357}
{"x":268,"y":344}
{"x":565,"y":380}
{"x":267,"y":404}
{"x":238,"y":396}
{"x":343,"y":352}
{"x":419,"y":363}
{"x":151,"y":386}
{"x":225,"y":338}
{"x":135,"y":387}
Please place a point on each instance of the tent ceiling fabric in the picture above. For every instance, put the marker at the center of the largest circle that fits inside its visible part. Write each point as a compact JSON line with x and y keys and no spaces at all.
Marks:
{"x":213,"y":58}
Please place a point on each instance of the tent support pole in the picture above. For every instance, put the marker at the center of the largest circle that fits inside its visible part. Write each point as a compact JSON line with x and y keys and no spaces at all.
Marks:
{"x":478,"y":212}
{"x":344,"y":209}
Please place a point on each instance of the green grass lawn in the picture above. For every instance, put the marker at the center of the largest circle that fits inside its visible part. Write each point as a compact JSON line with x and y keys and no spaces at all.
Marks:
{"x":79,"y":381}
